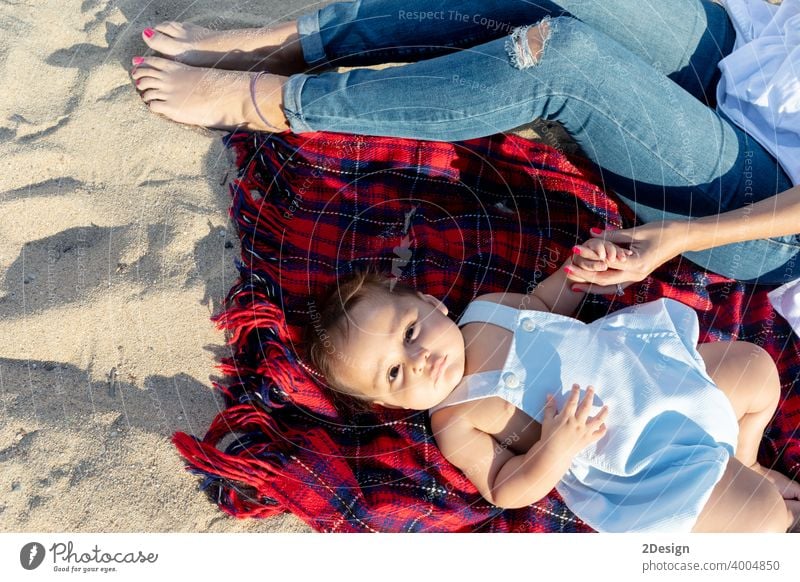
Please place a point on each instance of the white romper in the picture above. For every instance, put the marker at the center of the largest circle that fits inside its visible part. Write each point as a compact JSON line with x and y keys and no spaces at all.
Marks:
{"x":670,"y":431}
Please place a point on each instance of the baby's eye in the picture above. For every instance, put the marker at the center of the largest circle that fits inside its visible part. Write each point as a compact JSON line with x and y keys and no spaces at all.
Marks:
{"x":410,"y":332}
{"x":393,"y":371}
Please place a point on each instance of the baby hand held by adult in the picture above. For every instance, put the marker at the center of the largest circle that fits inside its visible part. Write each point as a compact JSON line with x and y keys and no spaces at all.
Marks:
{"x":650,"y":246}
{"x":597,"y":254}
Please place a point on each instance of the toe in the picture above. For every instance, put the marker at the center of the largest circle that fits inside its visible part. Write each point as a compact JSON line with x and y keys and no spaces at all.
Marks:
{"x":163,"y":43}
{"x":159,"y":107}
{"x":158,"y":63}
{"x":146,"y":83}
{"x":153,"y":95}
{"x":170,"y":28}
{"x":142,"y":71}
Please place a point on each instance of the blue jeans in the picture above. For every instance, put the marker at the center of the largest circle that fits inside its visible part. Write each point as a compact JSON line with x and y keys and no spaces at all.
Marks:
{"x":628,"y":79}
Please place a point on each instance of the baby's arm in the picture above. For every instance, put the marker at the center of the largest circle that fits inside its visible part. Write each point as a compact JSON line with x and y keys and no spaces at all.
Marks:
{"x":557,"y":293}
{"x":553,"y":294}
{"x":509,"y":480}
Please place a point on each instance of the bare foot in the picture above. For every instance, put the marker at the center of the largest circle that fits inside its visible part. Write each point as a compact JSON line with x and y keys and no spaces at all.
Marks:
{"x":209,"y":97}
{"x":794,"y":510}
{"x":788,"y":488}
{"x":276,"y":49}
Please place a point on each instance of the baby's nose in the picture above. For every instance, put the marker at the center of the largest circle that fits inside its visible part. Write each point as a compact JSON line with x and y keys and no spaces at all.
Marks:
{"x":421,"y":359}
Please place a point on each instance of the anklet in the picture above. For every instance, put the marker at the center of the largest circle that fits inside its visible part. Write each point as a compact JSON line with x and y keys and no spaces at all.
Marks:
{"x":253,"y":81}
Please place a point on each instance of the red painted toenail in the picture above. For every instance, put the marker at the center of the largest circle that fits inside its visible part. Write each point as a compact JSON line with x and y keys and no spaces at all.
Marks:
{"x":149,"y":32}
{"x":138,"y":60}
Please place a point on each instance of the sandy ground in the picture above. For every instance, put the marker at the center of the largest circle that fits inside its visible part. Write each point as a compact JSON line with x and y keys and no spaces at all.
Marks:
{"x":115,"y":248}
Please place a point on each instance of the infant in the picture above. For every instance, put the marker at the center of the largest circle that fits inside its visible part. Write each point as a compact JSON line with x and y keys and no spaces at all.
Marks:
{"x":663,"y":436}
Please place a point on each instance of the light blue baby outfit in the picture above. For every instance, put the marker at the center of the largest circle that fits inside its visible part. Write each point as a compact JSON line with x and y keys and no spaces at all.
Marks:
{"x":670,"y":431}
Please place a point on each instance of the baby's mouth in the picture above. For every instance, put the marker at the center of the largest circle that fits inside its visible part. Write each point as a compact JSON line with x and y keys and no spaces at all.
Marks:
{"x":438,"y":368}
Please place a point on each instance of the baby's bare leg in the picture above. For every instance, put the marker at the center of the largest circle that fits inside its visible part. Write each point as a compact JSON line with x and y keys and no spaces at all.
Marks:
{"x":745,"y":501}
{"x":794,"y":508}
{"x":749,"y":378}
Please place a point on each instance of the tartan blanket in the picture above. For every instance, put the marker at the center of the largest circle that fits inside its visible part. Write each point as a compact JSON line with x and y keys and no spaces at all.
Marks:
{"x":455,"y":220}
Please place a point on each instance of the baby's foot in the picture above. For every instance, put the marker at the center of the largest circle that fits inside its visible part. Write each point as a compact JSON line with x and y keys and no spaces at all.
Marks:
{"x":209,"y":97}
{"x":276,"y":49}
{"x":789,"y":488}
{"x":794,"y":510}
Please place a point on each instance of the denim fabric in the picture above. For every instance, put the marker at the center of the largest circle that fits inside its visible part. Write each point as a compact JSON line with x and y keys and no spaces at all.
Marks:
{"x":626,"y":79}
{"x":684,"y":39}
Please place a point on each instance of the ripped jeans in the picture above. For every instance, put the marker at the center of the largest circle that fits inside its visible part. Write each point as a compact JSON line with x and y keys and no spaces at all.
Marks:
{"x":630,"y":81}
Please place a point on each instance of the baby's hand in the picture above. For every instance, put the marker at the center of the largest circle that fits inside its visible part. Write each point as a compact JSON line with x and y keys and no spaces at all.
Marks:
{"x":597,"y":254}
{"x":572,"y":430}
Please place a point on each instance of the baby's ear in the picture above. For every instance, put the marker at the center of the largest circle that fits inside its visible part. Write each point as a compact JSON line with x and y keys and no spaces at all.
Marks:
{"x":433,"y":301}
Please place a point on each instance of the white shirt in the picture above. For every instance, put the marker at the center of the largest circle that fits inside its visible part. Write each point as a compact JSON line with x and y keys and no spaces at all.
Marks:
{"x":760,"y":85}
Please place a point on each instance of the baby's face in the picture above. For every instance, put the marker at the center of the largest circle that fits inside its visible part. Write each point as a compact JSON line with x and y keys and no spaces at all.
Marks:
{"x":402,"y":351}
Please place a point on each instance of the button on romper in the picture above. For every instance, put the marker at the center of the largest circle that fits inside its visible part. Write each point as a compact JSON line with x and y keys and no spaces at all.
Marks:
{"x":670,"y":430}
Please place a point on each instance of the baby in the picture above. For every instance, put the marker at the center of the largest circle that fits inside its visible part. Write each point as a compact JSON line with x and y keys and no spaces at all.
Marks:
{"x":663,"y":437}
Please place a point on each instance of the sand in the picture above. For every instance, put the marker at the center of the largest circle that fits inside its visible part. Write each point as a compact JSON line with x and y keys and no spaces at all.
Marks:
{"x":115,"y":249}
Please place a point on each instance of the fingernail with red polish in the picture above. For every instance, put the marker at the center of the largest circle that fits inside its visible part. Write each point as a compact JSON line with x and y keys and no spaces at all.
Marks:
{"x":595,"y":231}
{"x":568,"y":270}
{"x":137,"y":81}
{"x":149,"y":32}
{"x":138,"y":60}
{"x":576,"y":249}
{"x":576,"y":290}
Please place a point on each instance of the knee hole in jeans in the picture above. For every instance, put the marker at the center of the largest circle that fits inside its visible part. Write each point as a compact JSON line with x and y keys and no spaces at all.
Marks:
{"x":526,"y":44}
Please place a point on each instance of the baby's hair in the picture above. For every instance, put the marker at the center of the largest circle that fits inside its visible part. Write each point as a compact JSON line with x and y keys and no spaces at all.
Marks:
{"x":331,"y":323}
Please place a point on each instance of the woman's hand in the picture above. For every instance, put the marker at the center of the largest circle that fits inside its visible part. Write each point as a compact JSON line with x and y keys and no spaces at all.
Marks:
{"x":651,"y":245}
{"x":570,"y":431}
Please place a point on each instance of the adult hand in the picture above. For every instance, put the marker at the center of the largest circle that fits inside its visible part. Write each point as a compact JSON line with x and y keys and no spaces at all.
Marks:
{"x":652,"y":245}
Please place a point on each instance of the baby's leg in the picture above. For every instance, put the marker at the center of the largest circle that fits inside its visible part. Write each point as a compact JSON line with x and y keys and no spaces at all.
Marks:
{"x":749,"y":378}
{"x":744,"y":501}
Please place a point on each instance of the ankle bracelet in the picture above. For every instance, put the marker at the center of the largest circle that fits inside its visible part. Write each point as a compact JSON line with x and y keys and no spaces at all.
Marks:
{"x":253,"y":81}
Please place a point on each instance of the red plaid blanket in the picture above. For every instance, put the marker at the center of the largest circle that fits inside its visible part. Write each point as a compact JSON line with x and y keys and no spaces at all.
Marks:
{"x":452,"y":219}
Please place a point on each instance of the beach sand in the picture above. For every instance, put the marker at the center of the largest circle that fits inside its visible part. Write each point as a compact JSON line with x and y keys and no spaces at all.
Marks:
{"x":115,"y":249}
